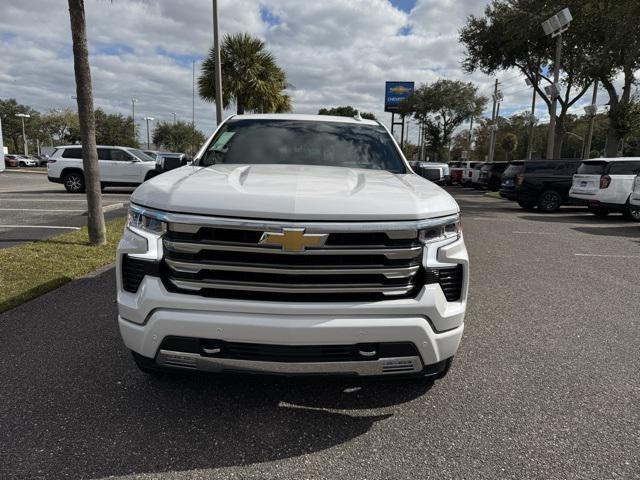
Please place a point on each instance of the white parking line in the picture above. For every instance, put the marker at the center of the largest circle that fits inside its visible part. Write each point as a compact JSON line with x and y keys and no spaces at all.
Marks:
{"x":536,"y":233}
{"x":606,"y":256}
{"x":39,"y":226}
{"x":37,"y":210}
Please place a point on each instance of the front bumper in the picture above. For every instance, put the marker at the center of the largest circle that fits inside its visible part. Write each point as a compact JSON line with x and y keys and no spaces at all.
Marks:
{"x":428,"y":321}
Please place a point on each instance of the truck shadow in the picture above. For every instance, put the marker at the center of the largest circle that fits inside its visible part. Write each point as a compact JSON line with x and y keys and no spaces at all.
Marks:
{"x":77,"y":407}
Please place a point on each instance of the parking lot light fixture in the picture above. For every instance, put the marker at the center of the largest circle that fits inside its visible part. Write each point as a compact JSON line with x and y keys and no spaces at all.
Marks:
{"x":148,"y":119}
{"x":554,"y":27}
{"x":24,"y":135}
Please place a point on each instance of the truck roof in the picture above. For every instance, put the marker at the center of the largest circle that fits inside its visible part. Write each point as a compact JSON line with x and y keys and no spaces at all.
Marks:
{"x":304,"y":117}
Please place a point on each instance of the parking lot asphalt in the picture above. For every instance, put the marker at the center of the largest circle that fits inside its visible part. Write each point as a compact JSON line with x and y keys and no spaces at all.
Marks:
{"x":546,"y":384}
{"x":32,"y":208}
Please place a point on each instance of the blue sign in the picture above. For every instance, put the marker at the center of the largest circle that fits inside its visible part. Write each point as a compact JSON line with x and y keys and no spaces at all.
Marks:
{"x":395,"y":93}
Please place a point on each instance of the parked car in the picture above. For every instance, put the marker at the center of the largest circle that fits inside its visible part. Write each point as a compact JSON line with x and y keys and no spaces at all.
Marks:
{"x":119,"y":166}
{"x":434,"y":171}
{"x":634,"y":199}
{"x":455,"y":170}
{"x":545,"y":184}
{"x":469,"y":168}
{"x":295,"y":244}
{"x":605,"y":185}
{"x":168,"y":161}
{"x":508,"y":181}
{"x":42,"y":160}
{"x":19,"y":161}
{"x":491,"y":175}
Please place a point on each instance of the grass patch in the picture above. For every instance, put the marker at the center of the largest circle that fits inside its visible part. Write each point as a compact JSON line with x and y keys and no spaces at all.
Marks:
{"x":27,"y":271}
{"x":493,"y":195}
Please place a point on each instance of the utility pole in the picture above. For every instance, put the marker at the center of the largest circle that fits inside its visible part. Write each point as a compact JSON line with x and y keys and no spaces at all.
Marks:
{"x":532,"y":118}
{"x":555,"y":27}
{"x":218,"y":69}
{"x":494,"y":122}
{"x":133,"y":116}
{"x":591,"y":111}
{"x":470,"y":138}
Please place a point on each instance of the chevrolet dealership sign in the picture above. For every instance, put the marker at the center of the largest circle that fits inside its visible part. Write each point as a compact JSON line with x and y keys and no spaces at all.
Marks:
{"x":395,"y":93}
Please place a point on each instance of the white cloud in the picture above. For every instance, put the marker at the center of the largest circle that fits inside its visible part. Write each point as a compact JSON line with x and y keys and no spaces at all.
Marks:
{"x":335,"y":52}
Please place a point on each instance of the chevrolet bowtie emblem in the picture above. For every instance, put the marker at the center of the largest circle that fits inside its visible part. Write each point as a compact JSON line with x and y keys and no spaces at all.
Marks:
{"x":293,"y":239}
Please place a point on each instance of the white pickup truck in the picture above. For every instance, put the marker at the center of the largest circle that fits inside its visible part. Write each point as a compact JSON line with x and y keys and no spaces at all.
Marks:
{"x":294,"y":244}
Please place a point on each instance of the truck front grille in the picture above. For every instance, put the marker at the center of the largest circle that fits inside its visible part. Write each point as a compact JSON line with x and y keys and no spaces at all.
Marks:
{"x":230,"y":262}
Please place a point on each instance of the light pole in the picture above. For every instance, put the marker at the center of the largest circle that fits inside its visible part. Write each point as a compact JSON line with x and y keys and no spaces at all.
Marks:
{"x":218,"y":68}
{"x":591,"y":111}
{"x":24,"y":135}
{"x":578,"y":137}
{"x":148,"y":119}
{"x":497,"y":98}
{"x":133,"y":116}
{"x":532,"y":117}
{"x":555,"y":26}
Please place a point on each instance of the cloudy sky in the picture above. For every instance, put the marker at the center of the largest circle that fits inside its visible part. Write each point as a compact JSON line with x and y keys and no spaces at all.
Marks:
{"x":335,"y":52}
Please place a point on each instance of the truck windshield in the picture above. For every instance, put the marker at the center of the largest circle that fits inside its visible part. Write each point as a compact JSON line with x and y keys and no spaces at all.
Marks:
{"x":301,"y":142}
{"x":513,"y":170}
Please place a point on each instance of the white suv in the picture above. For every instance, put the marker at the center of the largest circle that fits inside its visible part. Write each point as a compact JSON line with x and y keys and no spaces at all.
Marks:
{"x":634,"y":200}
{"x":294,"y":244}
{"x":605,"y":185}
{"x":119,"y":166}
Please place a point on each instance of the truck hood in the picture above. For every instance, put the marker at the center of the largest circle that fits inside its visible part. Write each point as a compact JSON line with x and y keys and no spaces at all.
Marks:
{"x":295,"y":192}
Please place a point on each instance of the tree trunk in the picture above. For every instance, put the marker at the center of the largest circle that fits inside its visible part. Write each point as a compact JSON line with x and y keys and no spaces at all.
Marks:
{"x":613,"y":141}
{"x":240,"y":107}
{"x":95,"y":218}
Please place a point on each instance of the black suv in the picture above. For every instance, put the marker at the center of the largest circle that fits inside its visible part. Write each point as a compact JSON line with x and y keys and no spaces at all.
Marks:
{"x":508,"y":184}
{"x":491,"y":175}
{"x":545,"y":184}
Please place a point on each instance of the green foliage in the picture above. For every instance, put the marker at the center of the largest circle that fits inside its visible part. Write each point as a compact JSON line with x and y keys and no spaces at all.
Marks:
{"x":114,"y":129}
{"x":250,"y":76}
{"x":177,"y":137}
{"x":509,"y":144}
{"x":509,"y":36}
{"x":345,"y":111}
{"x":60,"y":127}
{"x":441,"y":107}
{"x":12,"y":125}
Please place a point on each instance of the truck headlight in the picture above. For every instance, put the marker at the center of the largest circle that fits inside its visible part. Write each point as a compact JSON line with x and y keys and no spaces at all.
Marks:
{"x":446,"y":231}
{"x":140,"y":221}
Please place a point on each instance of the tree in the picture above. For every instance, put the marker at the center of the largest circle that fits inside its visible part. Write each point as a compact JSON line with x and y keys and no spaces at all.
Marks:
{"x":177,"y":137}
{"x":95,"y":215}
{"x":509,"y":144}
{"x":346,"y":111}
{"x":60,"y":127}
{"x":509,"y":36}
{"x":114,"y":129}
{"x":250,"y":76}
{"x":441,"y":107}
{"x":12,"y":125}
{"x":610,"y":34}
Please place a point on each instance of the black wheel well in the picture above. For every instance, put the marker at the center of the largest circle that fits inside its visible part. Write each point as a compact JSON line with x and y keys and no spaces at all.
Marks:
{"x":69,"y":170}
{"x":151,"y":174}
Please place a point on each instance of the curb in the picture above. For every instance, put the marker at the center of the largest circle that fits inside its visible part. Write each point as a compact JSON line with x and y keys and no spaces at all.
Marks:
{"x":110,"y":208}
{"x":24,"y":170}
{"x":97,"y":272}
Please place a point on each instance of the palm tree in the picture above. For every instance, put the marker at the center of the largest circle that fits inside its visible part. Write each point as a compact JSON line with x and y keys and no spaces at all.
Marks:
{"x":95,"y":215}
{"x":250,"y":76}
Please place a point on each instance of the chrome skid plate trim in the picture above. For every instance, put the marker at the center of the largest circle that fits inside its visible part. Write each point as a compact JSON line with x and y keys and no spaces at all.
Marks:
{"x":383,"y":366}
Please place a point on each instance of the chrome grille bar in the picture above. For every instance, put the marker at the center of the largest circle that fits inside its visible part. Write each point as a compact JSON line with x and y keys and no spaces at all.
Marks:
{"x":389,"y":252}
{"x":192,"y":267}
{"x":294,"y":288}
